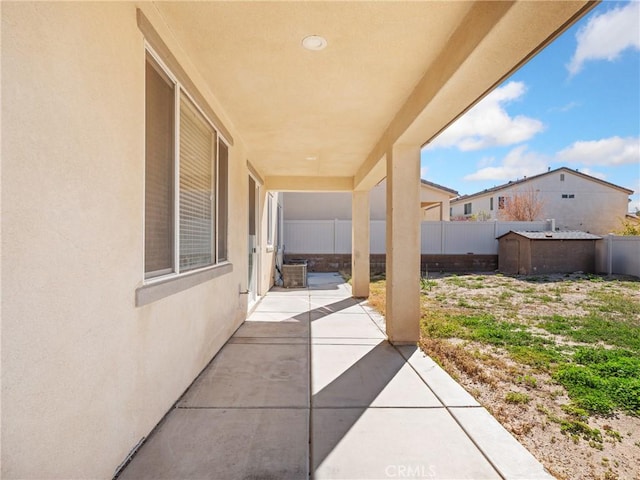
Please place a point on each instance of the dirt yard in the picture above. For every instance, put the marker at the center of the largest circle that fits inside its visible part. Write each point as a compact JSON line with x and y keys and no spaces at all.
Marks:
{"x":556,"y":359}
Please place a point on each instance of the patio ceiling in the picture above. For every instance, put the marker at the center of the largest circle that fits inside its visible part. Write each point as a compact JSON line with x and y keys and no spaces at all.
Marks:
{"x":392,"y":71}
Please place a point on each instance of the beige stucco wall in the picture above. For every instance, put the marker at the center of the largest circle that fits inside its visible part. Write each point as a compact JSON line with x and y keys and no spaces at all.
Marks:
{"x":86,"y":374}
{"x":337,"y":205}
{"x":596,"y":208}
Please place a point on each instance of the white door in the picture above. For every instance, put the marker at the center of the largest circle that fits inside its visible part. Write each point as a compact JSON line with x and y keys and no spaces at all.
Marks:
{"x":252,"y":280}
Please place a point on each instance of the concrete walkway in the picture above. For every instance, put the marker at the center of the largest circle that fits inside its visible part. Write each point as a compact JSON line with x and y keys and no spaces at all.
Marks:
{"x":308,"y":387}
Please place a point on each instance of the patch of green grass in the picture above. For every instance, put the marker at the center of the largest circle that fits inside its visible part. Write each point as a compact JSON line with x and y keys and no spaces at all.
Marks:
{"x":440,"y":326}
{"x":594,"y":328}
{"x":465,"y":282}
{"x":575,"y":411}
{"x":505,"y":295}
{"x":464,"y":303}
{"x":609,"y":432}
{"x":529,"y":380}
{"x":539,"y":356}
{"x":575,"y":427}
{"x":426,"y":284}
{"x":601,"y":380}
{"x":485,"y":328}
{"x":527,"y":290}
{"x":456,"y":280}
{"x":581,"y":429}
{"x":615,"y":302}
{"x":517,"y":398}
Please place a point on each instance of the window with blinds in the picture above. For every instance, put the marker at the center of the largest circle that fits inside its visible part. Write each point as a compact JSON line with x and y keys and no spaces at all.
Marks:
{"x":197,"y":147}
{"x":185,"y":217}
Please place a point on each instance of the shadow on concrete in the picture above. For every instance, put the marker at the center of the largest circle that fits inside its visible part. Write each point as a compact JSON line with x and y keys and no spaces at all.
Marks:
{"x":353,"y":392}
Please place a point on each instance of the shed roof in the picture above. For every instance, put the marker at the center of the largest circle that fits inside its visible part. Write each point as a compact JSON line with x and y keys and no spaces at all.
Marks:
{"x":549,"y":235}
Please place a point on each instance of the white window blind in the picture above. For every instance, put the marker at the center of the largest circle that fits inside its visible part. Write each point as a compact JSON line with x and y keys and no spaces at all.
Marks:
{"x":197,"y":147}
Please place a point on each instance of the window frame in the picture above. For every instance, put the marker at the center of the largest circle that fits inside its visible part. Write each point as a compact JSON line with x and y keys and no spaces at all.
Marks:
{"x":179,"y":90}
{"x":470,"y":205}
{"x":270,"y":229}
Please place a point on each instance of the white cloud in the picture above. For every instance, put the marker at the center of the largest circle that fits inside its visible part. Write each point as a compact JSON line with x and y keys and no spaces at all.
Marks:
{"x":565,"y":108}
{"x":486,"y":162}
{"x":606,"y":35}
{"x":516,"y":164}
{"x":593,"y":173}
{"x":489,"y":125}
{"x":423,"y":172}
{"x":605,"y":152}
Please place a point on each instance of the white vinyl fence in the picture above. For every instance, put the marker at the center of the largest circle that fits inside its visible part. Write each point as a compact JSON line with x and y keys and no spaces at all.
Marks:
{"x":618,"y":254}
{"x":334,"y":236}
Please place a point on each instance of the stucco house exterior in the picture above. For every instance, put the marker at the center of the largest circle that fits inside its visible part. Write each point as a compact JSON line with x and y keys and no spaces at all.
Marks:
{"x":143,"y":146}
{"x":434,"y":203}
{"x":575,"y":200}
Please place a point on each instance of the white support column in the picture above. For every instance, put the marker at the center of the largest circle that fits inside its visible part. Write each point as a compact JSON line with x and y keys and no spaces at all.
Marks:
{"x":360,"y":240}
{"x":403,"y":244}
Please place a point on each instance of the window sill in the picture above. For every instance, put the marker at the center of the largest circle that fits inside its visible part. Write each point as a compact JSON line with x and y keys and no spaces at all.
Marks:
{"x":163,"y":288}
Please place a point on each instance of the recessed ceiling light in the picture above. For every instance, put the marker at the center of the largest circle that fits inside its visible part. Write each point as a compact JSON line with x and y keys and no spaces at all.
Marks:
{"x":314,"y":42}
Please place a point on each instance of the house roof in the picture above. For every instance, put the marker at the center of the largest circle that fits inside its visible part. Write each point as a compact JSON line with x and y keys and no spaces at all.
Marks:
{"x":521,"y":181}
{"x":392,"y":73}
{"x":549,"y":235}
{"x":439,"y":187}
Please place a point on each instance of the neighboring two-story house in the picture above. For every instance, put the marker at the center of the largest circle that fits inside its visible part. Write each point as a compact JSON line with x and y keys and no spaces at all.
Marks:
{"x":575,"y":200}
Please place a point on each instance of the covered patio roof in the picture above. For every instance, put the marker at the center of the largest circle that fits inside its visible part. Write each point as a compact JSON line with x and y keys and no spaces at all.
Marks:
{"x":392,"y":72}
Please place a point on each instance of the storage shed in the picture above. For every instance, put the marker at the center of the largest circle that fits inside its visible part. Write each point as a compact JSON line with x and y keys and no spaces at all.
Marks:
{"x":531,"y":253}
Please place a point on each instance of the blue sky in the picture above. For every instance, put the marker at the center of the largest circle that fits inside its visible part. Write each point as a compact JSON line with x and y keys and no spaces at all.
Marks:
{"x":576,"y":104}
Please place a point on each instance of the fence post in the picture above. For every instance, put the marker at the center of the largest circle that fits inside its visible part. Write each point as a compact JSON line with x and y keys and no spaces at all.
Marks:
{"x":610,"y":254}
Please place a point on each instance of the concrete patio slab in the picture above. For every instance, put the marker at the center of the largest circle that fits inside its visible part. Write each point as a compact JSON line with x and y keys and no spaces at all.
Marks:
{"x":509,"y":457}
{"x":278,"y":317}
{"x":291,"y":292}
{"x":270,"y":340}
{"x":345,"y":326}
{"x":345,"y":341}
{"x":365,"y":376}
{"x":375,"y":410}
{"x":449,"y":392}
{"x":265,"y":328}
{"x":224,"y":444}
{"x":333,"y":303}
{"x":291,"y":304}
{"x":330,"y":291}
{"x":345,"y":308}
{"x":376,"y":443}
{"x":253,"y":375}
